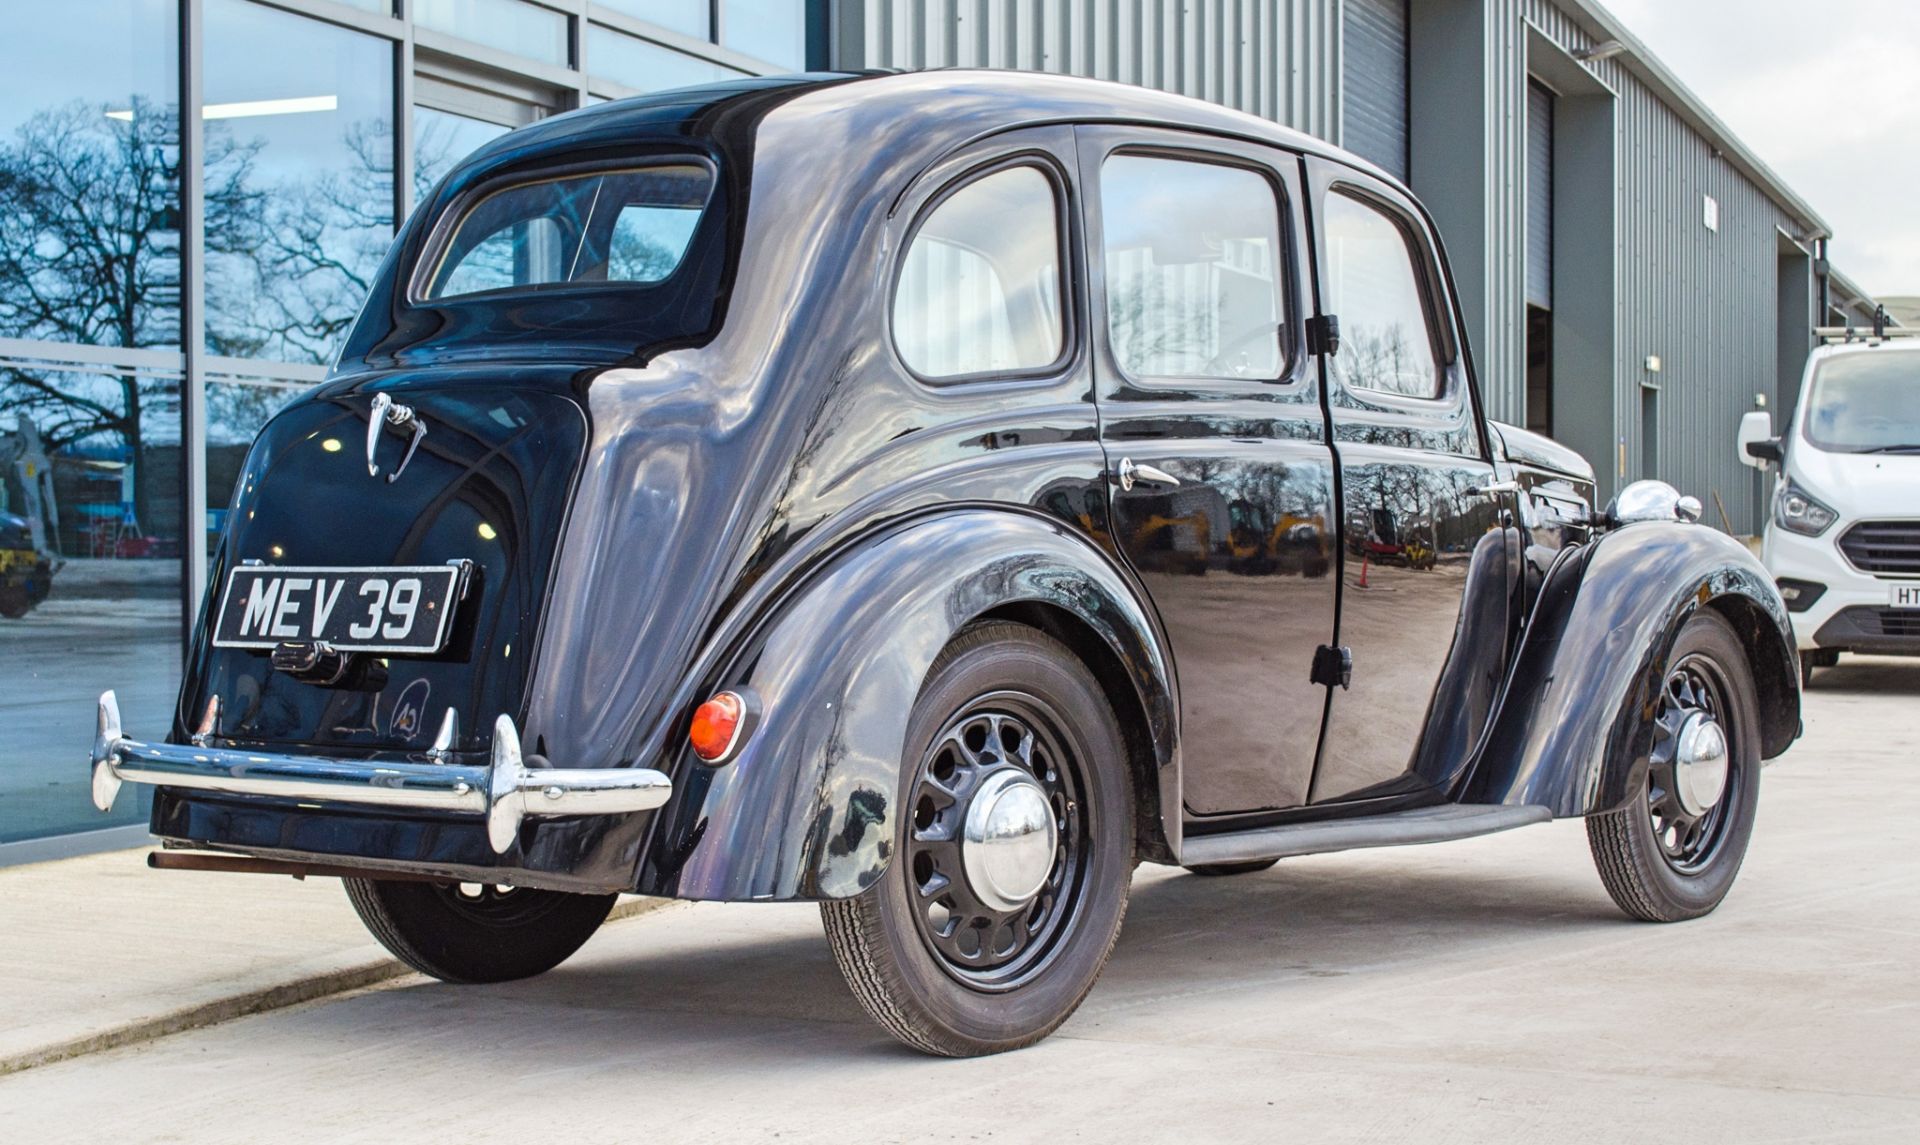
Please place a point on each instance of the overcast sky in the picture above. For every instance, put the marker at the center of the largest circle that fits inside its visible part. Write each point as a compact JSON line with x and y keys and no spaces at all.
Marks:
{"x":1827,"y":95}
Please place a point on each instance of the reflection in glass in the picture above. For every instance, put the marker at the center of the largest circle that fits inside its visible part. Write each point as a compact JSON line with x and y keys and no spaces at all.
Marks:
{"x":441,"y":140}
{"x":509,"y":25}
{"x":1192,"y":251}
{"x":89,"y":155}
{"x":1866,"y":403}
{"x":770,"y":30}
{"x":646,"y":66}
{"x":1385,"y":342}
{"x":691,"y":17}
{"x":100,"y":516}
{"x":299,"y":195}
{"x":623,"y":226}
{"x":90,"y":529}
{"x":979,"y":291}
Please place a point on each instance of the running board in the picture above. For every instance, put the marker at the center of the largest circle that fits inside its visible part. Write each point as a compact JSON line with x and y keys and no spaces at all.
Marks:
{"x":1421,"y":825}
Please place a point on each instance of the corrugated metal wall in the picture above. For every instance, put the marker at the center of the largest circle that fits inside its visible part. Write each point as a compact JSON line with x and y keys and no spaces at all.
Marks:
{"x":1704,"y":302}
{"x":1373,"y":89}
{"x":1274,"y":58}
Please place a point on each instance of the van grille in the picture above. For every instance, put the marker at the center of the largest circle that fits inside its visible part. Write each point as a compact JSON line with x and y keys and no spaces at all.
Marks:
{"x":1886,"y":548}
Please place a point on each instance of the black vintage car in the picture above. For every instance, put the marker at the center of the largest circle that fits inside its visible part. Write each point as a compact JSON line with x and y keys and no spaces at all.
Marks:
{"x":932,"y":495}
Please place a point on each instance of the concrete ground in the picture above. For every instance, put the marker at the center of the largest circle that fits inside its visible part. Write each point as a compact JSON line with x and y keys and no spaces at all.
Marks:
{"x":1478,"y":991}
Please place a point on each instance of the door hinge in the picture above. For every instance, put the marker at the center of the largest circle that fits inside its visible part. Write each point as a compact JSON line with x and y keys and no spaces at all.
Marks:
{"x":1323,"y":334}
{"x":1333,"y":666}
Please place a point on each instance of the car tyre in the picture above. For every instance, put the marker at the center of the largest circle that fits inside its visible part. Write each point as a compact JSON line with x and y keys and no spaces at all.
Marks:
{"x":1222,"y":870}
{"x":928,"y":958}
{"x":471,"y":933}
{"x":1659,"y":861}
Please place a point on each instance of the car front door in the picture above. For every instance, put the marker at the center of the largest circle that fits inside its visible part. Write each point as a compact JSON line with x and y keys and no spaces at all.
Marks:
{"x":1425,"y":545}
{"x":1222,"y":494}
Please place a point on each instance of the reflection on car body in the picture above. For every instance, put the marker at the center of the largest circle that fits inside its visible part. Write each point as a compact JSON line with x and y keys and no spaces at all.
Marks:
{"x":1064,"y":475}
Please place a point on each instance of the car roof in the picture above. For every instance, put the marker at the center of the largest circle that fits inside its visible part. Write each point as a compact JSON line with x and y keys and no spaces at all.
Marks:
{"x":954,"y":105}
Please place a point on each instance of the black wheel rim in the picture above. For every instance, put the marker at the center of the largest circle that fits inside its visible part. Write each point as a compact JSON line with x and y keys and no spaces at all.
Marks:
{"x":1688,"y":842}
{"x":984,"y":948}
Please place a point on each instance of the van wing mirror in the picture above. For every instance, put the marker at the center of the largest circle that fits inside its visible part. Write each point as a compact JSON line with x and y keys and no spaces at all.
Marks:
{"x":1758,"y":446}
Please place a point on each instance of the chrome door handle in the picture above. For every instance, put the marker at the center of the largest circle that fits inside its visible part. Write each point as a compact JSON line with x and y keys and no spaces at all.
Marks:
{"x":1494,"y":489}
{"x":1131,"y":473}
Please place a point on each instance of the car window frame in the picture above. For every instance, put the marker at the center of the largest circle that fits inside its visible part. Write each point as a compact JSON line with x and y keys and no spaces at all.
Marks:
{"x":1181,"y":146}
{"x":446,"y":225}
{"x":1068,"y":268}
{"x":1422,"y":256}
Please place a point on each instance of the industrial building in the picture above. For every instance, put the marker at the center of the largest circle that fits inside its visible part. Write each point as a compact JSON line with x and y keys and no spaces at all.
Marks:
{"x":200,"y":188}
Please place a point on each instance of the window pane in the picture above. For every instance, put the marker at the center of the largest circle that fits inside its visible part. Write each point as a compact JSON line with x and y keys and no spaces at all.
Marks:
{"x":299,"y":179}
{"x":1193,"y":255}
{"x":441,"y":140}
{"x":770,"y":30}
{"x":105,"y":509}
{"x":692,"y":17}
{"x":509,"y":25}
{"x":624,"y":226}
{"x":89,"y":142}
{"x":1372,"y":287}
{"x":979,"y":291}
{"x":89,"y":455}
{"x":647,"y":66}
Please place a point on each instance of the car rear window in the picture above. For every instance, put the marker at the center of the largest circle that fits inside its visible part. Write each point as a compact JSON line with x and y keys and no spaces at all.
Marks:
{"x":628,"y":226}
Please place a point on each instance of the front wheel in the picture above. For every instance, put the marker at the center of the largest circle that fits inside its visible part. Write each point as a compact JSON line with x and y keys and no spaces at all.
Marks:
{"x":1672,"y":852}
{"x":476,"y":932}
{"x":1007,"y":888}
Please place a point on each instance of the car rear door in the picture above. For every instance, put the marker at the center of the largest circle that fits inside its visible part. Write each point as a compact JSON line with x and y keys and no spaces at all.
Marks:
{"x":1425,"y":545}
{"x":1222,"y":496}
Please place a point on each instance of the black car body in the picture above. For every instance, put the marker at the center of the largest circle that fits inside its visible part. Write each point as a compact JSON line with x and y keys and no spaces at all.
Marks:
{"x":1322,"y":610}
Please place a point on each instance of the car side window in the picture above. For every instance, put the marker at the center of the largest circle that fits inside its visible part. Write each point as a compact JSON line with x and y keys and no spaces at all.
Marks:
{"x":1374,"y":288}
{"x":979,"y":290}
{"x":1193,"y":263}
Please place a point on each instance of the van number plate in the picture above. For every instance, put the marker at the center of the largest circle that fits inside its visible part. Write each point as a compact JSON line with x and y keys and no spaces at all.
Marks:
{"x":389,"y":610}
{"x":1904,"y":595}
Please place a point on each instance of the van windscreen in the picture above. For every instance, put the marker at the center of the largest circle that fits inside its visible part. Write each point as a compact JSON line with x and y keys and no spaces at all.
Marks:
{"x":1866,"y":402}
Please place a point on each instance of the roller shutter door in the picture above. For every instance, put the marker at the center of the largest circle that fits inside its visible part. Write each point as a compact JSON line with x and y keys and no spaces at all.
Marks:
{"x":1539,"y":196}
{"x":1373,"y":102}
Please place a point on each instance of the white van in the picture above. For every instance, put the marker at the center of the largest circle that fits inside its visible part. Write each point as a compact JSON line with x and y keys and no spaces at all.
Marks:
{"x":1843,"y":540}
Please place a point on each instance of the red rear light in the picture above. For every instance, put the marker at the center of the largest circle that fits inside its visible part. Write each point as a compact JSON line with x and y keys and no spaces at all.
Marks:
{"x":716,"y":727}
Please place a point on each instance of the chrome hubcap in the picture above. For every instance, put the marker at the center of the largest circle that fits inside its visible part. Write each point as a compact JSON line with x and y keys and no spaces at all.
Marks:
{"x":1690,"y":778}
{"x":1007,"y":848}
{"x":1700,"y":763}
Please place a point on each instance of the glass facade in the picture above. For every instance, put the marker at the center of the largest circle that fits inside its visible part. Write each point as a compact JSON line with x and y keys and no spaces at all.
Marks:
{"x":300,"y":181}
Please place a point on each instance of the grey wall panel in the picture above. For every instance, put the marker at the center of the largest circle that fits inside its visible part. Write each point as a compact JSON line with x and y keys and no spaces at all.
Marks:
{"x":1705,"y":302}
{"x":1539,"y":196}
{"x":1373,"y":82}
{"x":1273,"y":58}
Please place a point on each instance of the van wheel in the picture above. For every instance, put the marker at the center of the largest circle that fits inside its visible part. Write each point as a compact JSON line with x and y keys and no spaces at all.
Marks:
{"x":1672,"y":852}
{"x":1014,"y":855}
{"x":1221,"y":870}
{"x":474,"y":932}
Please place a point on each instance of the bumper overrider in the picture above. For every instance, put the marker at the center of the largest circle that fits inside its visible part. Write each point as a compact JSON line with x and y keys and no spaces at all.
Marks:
{"x":503,"y":793}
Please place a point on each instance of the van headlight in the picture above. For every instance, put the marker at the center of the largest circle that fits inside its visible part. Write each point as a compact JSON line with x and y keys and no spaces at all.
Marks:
{"x":1797,"y":512}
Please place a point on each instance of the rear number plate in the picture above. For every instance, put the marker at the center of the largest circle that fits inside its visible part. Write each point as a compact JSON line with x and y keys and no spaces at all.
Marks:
{"x":396,"y":610}
{"x":1904,"y":595}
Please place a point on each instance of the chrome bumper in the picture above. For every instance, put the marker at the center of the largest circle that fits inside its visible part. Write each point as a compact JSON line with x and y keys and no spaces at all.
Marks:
{"x":504,"y":792}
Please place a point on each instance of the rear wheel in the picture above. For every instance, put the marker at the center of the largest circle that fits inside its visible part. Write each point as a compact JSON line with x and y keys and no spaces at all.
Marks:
{"x":476,"y":932}
{"x":1015,"y":852}
{"x":1673,"y":851}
